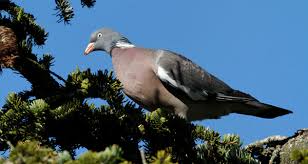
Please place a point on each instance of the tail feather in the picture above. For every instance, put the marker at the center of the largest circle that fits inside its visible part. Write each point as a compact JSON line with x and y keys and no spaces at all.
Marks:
{"x":263,"y":110}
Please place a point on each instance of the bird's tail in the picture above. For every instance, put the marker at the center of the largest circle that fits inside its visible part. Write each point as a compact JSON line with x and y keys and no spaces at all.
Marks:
{"x":263,"y":110}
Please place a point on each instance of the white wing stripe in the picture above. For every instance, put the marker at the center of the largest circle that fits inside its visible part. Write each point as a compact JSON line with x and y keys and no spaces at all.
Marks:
{"x":163,"y":75}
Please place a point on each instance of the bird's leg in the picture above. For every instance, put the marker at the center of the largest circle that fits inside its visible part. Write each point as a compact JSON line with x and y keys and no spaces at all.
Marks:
{"x":181,"y":112}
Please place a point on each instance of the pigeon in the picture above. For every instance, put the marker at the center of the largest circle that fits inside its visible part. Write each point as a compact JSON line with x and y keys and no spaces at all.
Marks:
{"x":158,"y":78}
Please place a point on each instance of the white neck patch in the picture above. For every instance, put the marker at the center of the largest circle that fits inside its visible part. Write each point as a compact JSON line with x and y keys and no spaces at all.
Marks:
{"x":124,"y":45}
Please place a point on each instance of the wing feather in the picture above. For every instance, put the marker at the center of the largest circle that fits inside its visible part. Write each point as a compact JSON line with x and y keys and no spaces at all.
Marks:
{"x":181,"y":73}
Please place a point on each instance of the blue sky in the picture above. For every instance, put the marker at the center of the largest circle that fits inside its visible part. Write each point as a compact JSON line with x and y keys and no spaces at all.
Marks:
{"x":260,"y":47}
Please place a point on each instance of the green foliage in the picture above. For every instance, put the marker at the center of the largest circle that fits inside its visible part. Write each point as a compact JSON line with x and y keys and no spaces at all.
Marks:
{"x":220,"y":150}
{"x":47,"y":61}
{"x":21,"y":120}
{"x":111,"y":155}
{"x":30,"y":152}
{"x":103,"y":85}
{"x":64,"y":10}
{"x":74,"y":122}
{"x":88,"y":3}
{"x":300,"y":156}
{"x":162,"y":157}
{"x":175,"y":133}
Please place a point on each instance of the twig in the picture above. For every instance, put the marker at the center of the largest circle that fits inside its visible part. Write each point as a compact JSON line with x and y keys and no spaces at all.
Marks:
{"x":143,"y":157}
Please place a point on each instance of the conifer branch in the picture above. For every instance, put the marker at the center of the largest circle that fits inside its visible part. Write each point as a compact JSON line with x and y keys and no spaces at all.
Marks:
{"x":88,"y":3}
{"x":64,"y":11}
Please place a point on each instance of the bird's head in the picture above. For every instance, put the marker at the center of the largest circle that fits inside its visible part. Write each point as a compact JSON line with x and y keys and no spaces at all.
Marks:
{"x":104,"y":39}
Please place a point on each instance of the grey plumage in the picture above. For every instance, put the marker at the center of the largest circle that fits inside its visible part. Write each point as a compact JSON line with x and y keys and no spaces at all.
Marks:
{"x":108,"y":41}
{"x":164,"y":79}
{"x":199,"y":84}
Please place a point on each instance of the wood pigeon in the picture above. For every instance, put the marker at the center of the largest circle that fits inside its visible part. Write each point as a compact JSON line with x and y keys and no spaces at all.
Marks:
{"x":156,"y":78}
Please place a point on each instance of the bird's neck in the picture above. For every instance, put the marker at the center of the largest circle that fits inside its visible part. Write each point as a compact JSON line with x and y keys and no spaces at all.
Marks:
{"x":121,"y":43}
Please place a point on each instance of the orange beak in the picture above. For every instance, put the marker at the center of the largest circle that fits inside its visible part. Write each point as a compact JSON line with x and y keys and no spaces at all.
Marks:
{"x":89,"y":48}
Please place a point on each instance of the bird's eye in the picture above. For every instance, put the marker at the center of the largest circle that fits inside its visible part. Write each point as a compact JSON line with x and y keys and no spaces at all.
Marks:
{"x":99,"y":35}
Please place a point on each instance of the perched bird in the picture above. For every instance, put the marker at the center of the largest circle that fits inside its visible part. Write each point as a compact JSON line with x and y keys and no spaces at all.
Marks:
{"x":164,"y":79}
